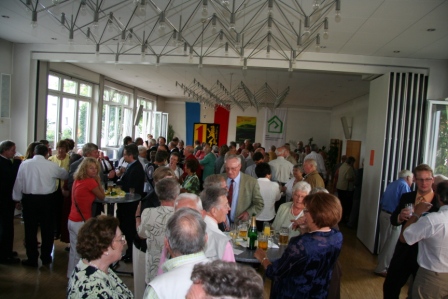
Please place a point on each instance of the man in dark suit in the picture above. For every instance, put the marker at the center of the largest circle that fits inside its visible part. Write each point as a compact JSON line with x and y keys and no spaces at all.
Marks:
{"x":404,"y":261}
{"x":134,"y":177}
{"x":8,"y":173}
{"x":172,"y":147}
{"x":244,"y":192}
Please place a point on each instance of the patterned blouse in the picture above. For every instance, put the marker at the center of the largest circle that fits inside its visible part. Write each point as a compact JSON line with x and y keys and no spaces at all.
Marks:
{"x":305,"y":268}
{"x":89,"y":282}
{"x":192,"y":184}
{"x":152,"y":228}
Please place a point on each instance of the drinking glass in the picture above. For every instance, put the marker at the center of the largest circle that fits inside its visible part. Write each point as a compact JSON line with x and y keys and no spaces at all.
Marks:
{"x":263,"y":242}
{"x":132,"y":191}
{"x":242,"y":230}
{"x":410,"y":207}
{"x":284,"y":236}
{"x":233,"y":232}
{"x":267,"y":229}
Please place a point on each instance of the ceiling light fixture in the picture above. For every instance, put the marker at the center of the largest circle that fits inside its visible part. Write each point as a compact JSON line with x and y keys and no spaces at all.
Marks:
{"x":242,"y":97}
{"x":214,"y":28}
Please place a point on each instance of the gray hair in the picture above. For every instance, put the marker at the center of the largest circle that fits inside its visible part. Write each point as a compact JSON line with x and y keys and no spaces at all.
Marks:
{"x":231,"y":156}
{"x":142,"y":148}
{"x":319,"y":190}
{"x":88,"y":148}
{"x":191,"y":197}
{"x":439,"y":178}
{"x":167,"y":189}
{"x":310,"y":161}
{"x":314,"y":147}
{"x":220,"y":279}
{"x":301,"y":186}
{"x":405,"y":173}
{"x":280,"y":151}
{"x":152,"y":142}
{"x":6,"y":146}
{"x":214,"y":180}
{"x":210,"y":197}
{"x":185,"y":232}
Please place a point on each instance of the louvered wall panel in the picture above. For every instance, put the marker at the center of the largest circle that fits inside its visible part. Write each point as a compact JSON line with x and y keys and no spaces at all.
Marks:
{"x":405,"y":125}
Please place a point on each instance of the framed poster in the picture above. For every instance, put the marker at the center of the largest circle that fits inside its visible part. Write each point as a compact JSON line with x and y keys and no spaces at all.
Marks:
{"x":206,"y":133}
{"x":245,"y":128}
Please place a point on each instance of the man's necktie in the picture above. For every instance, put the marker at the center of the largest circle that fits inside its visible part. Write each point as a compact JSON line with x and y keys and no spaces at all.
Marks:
{"x":420,"y":199}
{"x":230,"y":193}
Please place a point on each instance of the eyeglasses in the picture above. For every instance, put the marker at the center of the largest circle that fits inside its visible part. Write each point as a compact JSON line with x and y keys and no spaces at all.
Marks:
{"x":427,"y":180}
{"x":122,"y":239}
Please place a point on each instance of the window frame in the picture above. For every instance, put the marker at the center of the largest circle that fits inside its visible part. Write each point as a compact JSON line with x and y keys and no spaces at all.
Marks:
{"x":61,"y":96}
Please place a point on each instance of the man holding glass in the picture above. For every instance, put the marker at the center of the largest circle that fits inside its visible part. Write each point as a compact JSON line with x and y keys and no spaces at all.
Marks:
{"x":404,"y":260}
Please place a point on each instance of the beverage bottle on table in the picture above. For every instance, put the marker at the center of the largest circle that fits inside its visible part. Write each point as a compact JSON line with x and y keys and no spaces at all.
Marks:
{"x":252,"y":232}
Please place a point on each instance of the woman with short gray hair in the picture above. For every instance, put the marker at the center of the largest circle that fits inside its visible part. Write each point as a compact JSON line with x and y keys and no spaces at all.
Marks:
{"x":292,"y":210}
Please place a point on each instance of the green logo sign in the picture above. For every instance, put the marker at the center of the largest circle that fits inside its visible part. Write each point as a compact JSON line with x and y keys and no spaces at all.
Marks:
{"x":275,"y":125}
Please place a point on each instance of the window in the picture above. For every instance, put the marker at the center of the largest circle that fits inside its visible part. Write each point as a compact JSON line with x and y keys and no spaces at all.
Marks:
{"x":68,"y":109}
{"x":116,"y":117}
{"x":437,"y":137}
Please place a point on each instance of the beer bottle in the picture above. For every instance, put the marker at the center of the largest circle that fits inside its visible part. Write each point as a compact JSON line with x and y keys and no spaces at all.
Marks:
{"x":252,"y":233}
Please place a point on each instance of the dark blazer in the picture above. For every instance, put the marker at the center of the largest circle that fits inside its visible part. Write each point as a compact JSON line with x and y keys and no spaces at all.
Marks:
{"x":410,"y":198}
{"x":134,"y":177}
{"x":8,"y":176}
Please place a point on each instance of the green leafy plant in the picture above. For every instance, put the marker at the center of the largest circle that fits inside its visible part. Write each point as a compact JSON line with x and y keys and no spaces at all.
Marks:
{"x":170,"y":133}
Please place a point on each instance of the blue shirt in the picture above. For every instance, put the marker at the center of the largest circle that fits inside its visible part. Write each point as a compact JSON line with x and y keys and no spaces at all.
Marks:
{"x":236,"y":189}
{"x":391,"y":197}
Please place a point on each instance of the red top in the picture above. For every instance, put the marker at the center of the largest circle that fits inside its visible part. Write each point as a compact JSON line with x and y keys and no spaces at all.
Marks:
{"x":84,"y":197}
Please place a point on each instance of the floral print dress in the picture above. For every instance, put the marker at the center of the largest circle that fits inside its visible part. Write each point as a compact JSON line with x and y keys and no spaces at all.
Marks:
{"x":88,"y":282}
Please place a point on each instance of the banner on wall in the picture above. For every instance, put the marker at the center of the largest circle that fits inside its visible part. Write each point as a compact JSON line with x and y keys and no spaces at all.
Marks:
{"x":245,"y":128}
{"x":206,"y":133}
{"x":274,"y":128}
{"x":192,"y":116}
{"x":222,"y":118}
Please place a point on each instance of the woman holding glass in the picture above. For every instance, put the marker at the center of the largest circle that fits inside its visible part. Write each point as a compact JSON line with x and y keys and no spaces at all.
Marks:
{"x":100,"y":244}
{"x":298,"y":177}
{"x":86,"y":187}
{"x":306,"y":266}
{"x":293,"y":210}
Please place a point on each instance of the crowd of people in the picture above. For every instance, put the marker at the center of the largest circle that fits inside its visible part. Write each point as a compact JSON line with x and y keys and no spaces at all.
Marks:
{"x":190,"y":196}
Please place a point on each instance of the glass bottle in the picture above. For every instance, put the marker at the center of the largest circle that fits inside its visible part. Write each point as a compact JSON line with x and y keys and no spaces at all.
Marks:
{"x":252,"y":233}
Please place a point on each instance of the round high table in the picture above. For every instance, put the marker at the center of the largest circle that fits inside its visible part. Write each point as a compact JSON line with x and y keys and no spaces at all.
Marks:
{"x":247,"y":256}
{"x":110,"y":201}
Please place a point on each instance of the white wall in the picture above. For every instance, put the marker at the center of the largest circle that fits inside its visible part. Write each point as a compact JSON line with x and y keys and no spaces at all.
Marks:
{"x":176,"y":117}
{"x":301,"y":124}
{"x":357,"y":110}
